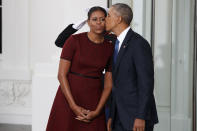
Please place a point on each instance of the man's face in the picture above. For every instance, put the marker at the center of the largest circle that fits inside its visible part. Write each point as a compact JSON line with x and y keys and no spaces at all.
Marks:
{"x":112,"y":19}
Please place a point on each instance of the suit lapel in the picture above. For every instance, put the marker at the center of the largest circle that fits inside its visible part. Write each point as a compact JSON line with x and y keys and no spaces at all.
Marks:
{"x":122,"y":50}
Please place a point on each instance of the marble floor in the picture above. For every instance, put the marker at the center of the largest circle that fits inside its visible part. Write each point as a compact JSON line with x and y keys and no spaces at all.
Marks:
{"x":8,"y":127}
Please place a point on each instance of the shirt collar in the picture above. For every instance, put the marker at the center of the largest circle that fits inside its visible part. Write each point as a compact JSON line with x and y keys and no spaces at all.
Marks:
{"x":123,"y":34}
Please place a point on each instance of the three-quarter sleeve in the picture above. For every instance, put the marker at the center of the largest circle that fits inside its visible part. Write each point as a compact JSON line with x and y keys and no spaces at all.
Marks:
{"x":69,"y":49}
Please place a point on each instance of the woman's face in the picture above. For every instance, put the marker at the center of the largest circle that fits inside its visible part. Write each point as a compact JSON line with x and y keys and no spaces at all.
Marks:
{"x":96,"y":22}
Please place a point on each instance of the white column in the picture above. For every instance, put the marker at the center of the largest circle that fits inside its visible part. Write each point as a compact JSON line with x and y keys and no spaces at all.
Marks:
{"x":181,"y":93}
{"x":162,"y":61}
{"x":44,"y":88}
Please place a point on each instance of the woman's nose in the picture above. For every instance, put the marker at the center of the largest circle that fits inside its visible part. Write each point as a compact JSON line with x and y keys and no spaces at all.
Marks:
{"x":98,"y":21}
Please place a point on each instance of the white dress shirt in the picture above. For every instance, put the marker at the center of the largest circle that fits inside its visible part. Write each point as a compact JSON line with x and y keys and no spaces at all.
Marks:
{"x":122,"y":36}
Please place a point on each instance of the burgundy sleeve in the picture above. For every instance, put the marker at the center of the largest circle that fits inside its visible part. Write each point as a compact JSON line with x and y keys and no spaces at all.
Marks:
{"x":69,"y":49}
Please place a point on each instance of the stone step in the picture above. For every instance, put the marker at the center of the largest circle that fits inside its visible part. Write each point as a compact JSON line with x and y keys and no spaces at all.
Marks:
{"x":10,"y":127}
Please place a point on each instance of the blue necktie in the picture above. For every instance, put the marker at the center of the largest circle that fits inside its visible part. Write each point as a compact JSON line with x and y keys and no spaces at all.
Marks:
{"x":116,"y":50}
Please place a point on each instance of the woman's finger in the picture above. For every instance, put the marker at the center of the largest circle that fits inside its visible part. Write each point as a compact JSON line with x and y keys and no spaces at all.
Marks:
{"x":82,"y":119}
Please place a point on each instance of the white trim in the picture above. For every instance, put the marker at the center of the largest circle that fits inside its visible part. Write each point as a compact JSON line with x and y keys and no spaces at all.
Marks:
{"x":17,"y":116}
{"x":15,"y":74}
{"x":15,"y":119}
{"x":164,"y":119}
{"x":17,"y":110}
{"x":181,"y":123}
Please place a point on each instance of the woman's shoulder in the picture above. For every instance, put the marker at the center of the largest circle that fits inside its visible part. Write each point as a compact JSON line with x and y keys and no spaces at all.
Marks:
{"x":79,"y":35}
{"x":77,"y":38}
{"x":109,"y":43}
{"x":109,"y":46}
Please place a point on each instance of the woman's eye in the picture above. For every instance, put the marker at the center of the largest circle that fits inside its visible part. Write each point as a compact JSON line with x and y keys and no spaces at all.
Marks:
{"x":94,"y":19}
{"x":98,"y":19}
{"x":103,"y":19}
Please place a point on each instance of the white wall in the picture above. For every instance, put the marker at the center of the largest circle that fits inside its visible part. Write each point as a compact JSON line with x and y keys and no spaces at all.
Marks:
{"x":30,"y":28}
{"x":14,"y":61}
{"x":48,"y":18}
{"x":15,"y":74}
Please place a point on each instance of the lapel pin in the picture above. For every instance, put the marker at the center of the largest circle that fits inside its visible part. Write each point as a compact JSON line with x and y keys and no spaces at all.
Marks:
{"x":124,"y":46}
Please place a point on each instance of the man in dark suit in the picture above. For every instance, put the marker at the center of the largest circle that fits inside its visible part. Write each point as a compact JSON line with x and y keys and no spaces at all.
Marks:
{"x":133,"y":104}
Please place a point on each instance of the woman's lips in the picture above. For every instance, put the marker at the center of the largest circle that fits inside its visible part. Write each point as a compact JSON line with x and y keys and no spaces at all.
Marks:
{"x":99,"y":28}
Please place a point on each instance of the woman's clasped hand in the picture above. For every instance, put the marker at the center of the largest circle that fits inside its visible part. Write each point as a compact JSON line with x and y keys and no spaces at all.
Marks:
{"x":84,"y":114}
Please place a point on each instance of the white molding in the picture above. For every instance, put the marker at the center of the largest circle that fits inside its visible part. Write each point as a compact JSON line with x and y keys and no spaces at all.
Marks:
{"x":181,"y":123}
{"x":15,"y":94}
{"x":164,"y":119}
{"x":15,"y":73}
{"x":15,"y":102}
{"x":16,"y":119}
{"x":17,"y":110}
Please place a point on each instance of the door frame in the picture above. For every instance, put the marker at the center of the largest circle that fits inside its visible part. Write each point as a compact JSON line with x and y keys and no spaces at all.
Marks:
{"x":194,"y":67}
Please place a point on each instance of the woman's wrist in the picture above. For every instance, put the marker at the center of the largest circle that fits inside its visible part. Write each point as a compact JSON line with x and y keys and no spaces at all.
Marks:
{"x":73,"y":106}
{"x":97,"y":111}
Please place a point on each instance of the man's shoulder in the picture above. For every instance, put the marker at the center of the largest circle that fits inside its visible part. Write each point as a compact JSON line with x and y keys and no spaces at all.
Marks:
{"x":137,"y":39}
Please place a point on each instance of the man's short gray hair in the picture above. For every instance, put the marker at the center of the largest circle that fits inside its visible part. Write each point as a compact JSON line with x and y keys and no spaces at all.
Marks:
{"x":124,"y":11}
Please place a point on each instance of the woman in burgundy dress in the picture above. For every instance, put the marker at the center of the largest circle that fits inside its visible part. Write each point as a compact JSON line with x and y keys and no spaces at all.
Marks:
{"x":79,"y":102}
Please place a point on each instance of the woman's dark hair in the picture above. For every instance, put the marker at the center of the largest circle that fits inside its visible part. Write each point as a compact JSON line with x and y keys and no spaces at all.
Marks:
{"x":96,"y":8}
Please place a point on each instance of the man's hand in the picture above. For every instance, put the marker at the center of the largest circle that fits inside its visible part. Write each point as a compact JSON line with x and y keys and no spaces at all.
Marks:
{"x":109,"y":124}
{"x":139,"y":125}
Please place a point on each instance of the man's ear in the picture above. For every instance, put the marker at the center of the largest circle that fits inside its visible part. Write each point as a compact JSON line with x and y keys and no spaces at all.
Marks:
{"x":119,"y":20}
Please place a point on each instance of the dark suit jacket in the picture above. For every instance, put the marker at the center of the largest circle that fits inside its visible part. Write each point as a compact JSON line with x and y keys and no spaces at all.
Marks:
{"x":133,"y":82}
{"x":64,"y":35}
